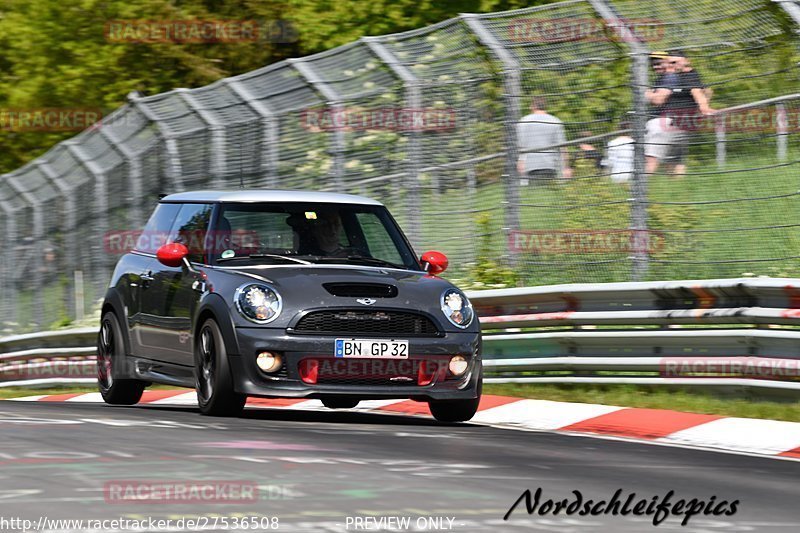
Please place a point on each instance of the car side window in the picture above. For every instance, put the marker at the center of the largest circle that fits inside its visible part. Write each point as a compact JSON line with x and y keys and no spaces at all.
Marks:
{"x":156,"y":231}
{"x":190,"y":228}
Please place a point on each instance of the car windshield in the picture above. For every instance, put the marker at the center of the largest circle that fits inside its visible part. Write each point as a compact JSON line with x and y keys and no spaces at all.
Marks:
{"x":271,"y":233}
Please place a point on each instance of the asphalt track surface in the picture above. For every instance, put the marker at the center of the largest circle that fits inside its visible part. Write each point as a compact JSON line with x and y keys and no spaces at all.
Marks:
{"x":316,"y":469}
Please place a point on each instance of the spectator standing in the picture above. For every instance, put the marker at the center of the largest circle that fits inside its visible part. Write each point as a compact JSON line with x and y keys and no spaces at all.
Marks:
{"x":620,"y":157}
{"x":679,"y":97}
{"x":535,"y":133}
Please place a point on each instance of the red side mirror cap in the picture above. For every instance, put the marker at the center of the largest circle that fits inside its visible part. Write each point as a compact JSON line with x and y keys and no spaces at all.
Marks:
{"x":172,"y":254}
{"x":434,"y":262}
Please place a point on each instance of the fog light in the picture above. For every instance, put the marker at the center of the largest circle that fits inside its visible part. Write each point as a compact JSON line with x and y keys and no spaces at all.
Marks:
{"x":458,"y":365}
{"x":269,"y":362}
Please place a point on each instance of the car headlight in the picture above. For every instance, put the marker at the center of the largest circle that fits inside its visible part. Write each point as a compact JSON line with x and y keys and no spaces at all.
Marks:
{"x":258,"y":303}
{"x":456,"y":308}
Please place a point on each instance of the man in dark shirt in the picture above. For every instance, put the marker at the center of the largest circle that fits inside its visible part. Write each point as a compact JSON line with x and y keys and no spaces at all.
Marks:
{"x":680,"y":97}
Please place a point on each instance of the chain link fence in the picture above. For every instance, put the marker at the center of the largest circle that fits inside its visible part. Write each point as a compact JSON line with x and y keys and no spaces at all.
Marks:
{"x":427,"y":121}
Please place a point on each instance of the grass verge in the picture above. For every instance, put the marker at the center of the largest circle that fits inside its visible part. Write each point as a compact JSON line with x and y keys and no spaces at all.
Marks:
{"x":727,"y":402}
{"x":19,"y":392}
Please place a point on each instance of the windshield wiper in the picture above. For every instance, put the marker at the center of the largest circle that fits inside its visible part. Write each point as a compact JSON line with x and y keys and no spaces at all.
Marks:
{"x":265,"y":256}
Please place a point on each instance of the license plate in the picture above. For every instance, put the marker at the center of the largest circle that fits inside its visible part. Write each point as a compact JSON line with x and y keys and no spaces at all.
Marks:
{"x":371,"y":349}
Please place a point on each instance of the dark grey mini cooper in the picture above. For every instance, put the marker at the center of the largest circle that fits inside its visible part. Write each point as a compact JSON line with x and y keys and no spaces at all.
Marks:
{"x":286,"y":294}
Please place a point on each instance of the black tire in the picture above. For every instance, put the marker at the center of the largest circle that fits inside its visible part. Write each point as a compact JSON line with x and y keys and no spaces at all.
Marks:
{"x":456,"y":410}
{"x":114,"y":389}
{"x":213,"y":379}
{"x":339,"y":403}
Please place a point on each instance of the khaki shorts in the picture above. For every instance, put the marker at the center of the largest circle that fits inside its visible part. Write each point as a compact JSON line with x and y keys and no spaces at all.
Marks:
{"x":663,"y":142}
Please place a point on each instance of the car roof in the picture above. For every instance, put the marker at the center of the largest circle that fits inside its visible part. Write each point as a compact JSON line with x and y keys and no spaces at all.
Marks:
{"x":263,"y":195}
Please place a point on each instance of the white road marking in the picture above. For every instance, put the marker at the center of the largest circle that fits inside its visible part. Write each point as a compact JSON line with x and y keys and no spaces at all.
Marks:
{"x":90,"y":397}
{"x":542,"y":414}
{"x":187,"y":398}
{"x":742,"y":434}
{"x":28,"y":398}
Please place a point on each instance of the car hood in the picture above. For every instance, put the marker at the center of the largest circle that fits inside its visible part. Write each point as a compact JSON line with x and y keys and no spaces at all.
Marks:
{"x":302,"y":287}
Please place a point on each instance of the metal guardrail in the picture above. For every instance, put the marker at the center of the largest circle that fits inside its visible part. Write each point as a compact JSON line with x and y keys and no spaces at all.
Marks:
{"x":736,"y":332}
{"x":48,"y":358}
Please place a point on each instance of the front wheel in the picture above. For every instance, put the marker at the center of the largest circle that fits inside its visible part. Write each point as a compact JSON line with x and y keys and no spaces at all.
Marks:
{"x":456,"y":410}
{"x":110,"y":358}
{"x":214,"y":382}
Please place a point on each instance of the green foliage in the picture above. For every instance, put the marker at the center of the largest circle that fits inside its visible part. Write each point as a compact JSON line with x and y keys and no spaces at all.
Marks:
{"x":56,"y":55}
{"x":488,"y":272}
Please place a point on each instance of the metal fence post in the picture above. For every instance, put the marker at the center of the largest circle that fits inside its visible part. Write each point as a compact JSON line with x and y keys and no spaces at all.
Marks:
{"x":413,"y":101}
{"x":512,"y":97}
{"x":639,"y":82}
{"x":136,"y":189}
{"x":37,"y":233}
{"x":719,"y":129}
{"x":782,"y":130}
{"x":218,"y":153}
{"x":338,"y":150}
{"x":69,"y":242}
{"x":173,"y":169}
{"x":8,"y":260}
{"x":269,"y":135}
{"x":791,"y":9}
{"x":96,"y":250}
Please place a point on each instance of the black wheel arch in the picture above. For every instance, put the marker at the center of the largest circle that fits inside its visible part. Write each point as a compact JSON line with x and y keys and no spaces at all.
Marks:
{"x":113,"y":302}
{"x":214,"y":306}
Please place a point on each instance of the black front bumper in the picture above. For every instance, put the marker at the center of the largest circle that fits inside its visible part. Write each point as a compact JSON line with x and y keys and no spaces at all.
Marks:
{"x":249,"y":379}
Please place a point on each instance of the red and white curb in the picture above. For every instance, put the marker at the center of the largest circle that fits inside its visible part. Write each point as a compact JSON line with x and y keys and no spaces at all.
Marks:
{"x":656,"y":426}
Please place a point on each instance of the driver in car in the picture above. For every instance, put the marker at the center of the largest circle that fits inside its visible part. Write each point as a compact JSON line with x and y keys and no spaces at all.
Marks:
{"x":326,"y":230}
{"x":320,"y":234}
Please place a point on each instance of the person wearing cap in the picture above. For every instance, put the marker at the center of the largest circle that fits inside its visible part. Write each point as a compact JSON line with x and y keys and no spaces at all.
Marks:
{"x":657,"y":61}
{"x":678,"y":98}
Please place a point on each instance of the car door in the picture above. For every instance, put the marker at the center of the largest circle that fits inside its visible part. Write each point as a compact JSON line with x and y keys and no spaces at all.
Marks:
{"x":140,"y":266}
{"x":174,"y":292}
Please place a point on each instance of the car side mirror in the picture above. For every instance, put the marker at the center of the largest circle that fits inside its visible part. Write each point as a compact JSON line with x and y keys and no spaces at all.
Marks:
{"x":434,"y":262}
{"x":172,"y":254}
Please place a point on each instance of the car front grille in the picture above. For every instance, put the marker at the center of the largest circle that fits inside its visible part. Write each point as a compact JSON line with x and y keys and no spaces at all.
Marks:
{"x":361,"y":322}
